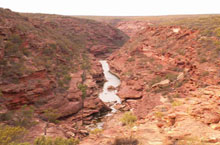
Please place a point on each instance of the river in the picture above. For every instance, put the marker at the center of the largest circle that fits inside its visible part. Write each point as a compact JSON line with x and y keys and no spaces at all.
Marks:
{"x":109,"y":95}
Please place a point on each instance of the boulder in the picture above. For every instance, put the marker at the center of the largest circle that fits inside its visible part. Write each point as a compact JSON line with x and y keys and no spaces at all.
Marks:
{"x":180,"y":76}
{"x":162,"y":83}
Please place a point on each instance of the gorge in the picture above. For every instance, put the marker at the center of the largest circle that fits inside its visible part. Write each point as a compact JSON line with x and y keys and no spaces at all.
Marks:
{"x":156,"y":78}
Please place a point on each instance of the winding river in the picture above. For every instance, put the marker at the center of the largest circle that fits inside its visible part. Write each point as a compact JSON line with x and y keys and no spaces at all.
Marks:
{"x":108,"y":95}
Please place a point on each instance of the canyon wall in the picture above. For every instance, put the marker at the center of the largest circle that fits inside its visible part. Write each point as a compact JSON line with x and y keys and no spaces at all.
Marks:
{"x":50,"y":62}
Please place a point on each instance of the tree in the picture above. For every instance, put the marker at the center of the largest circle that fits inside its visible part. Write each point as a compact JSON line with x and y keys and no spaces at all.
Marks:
{"x":83,"y":89}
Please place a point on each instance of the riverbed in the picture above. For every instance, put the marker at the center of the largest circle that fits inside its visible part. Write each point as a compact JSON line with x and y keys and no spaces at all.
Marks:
{"x":109,"y":95}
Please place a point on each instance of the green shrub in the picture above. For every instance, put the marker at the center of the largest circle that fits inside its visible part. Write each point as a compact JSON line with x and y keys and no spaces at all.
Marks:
{"x":96,"y":131}
{"x":1,"y":96}
{"x":26,"y":143}
{"x":176,"y":95}
{"x":131,"y":59}
{"x":126,"y":141}
{"x":203,"y":60}
{"x":20,"y":143}
{"x":8,"y":116}
{"x":205,"y":73}
{"x":159,"y":114}
{"x":217,"y":32}
{"x":83,"y":89}
{"x":22,"y":117}
{"x":155,"y":80}
{"x":12,"y":49}
{"x":171,"y":76}
{"x":178,"y":84}
{"x":163,"y":89}
{"x":176,"y":103}
{"x":128,"y":118}
{"x":217,"y":50}
{"x":51,"y":115}
{"x":85,"y":65}
{"x":11,"y":135}
{"x":57,"y":141}
{"x":15,"y":39}
{"x":181,"y":52}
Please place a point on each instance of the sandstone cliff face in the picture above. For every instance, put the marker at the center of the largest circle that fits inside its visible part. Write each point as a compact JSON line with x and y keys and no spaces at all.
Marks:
{"x":193,"y":120}
{"x":131,"y":27}
{"x":160,"y":61}
{"x":170,"y":79}
{"x":44,"y":59}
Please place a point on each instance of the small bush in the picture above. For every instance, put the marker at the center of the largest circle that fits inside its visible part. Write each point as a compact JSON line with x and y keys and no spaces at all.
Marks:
{"x":128,"y":119}
{"x":205,"y":73}
{"x":181,"y":52}
{"x":11,"y":135}
{"x":178,"y":84}
{"x":126,"y":141}
{"x":176,"y":95}
{"x":58,"y":141}
{"x":203,"y":60}
{"x":171,"y":76}
{"x":159,"y":114}
{"x":4,"y":117}
{"x":170,"y":98}
{"x":96,"y":131}
{"x":155,"y":80}
{"x":83,"y":89}
{"x":217,"y":32}
{"x":85,"y":62}
{"x":176,"y":103}
{"x":51,"y":115}
{"x":22,"y":117}
{"x":1,"y":94}
{"x":20,"y":143}
{"x":131,"y":59}
{"x":15,"y":39}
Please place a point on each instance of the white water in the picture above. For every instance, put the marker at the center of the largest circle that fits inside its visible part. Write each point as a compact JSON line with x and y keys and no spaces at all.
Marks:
{"x":109,"y":95}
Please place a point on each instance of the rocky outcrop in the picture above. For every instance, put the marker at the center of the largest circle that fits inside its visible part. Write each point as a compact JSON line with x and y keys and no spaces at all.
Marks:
{"x":192,"y":120}
{"x":132,"y":27}
{"x":165,"y":83}
{"x":158,"y":61}
{"x":50,"y":62}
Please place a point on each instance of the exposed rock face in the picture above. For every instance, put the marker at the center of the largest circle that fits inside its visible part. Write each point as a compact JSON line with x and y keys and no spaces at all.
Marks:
{"x":45,"y":58}
{"x":132,"y":27}
{"x":158,"y":61}
{"x":193,"y":120}
{"x":164,"y":81}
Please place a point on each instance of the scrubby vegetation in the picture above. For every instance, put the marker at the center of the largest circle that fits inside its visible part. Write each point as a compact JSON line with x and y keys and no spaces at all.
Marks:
{"x":208,"y":25}
{"x":96,"y":131}
{"x":128,"y":118}
{"x":57,"y":141}
{"x":125,"y":141}
{"x":11,"y":135}
{"x":22,"y":117}
{"x":39,"y":54}
{"x":51,"y":115}
{"x":83,"y":89}
{"x":58,"y":44}
{"x":159,"y":114}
